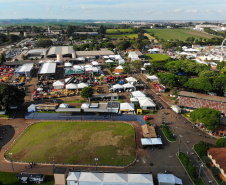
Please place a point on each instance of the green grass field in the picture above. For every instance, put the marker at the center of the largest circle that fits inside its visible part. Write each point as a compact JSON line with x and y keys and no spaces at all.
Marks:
{"x":76,"y":143}
{"x":180,"y":34}
{"x":118,"y":31}
{"x":124,"y":36}
{"x":8,"y":178}
{"x":157,"y":57}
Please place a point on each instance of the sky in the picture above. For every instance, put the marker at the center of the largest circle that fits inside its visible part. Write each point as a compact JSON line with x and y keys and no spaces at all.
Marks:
{"x":114,"y":9}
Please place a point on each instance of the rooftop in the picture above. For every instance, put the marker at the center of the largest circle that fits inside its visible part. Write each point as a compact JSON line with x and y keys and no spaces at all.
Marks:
{"x":94,"y":53}
{"x":202,"y":96}
{"x":218,"y":154}
{"x":61,"y":50}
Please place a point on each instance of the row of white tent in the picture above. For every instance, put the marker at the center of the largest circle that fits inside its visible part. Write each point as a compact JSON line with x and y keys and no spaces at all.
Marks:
{"x":88,"y":178}
{"x":144,"y":101}
{"x":60,"y":85}
{"x":93,"y":63}
{"x":124,"y":86}
{"x":95,"y":178}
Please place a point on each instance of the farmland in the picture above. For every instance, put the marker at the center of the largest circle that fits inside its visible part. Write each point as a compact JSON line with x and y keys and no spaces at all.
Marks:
{"x":124,"y":36}
{"x":76,"y":143}
{"x":180,"y":34}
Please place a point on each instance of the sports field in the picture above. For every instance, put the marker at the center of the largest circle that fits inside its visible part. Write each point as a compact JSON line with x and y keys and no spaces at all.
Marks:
{"x":76,"y":143}
{"x":180,"y":34}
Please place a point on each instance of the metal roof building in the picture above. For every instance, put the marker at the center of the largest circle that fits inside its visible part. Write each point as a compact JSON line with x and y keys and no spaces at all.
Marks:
{"x":64,"y":50}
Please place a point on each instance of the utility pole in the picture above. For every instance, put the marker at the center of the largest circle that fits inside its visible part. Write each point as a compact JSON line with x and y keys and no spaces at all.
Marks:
{"x":96,"y":160}
{"x":11,"y":160}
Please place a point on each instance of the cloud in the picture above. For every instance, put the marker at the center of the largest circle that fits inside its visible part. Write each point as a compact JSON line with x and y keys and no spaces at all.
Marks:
{"x":191,"y":11}
{"x":177,"y":10}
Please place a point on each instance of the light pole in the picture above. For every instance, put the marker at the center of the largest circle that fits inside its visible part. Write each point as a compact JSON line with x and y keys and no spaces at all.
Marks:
{"x":96,"y":160}
{"x":179,"y":145}
{"x":11,"y":160}
{"x":53,"y":161}
{"x":200,"y":168}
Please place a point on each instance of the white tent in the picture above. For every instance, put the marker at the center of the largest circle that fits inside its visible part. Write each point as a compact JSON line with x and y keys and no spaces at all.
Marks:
{"x":63,"y":105}
{"x":85,"y":106}
{"x":31,"y":108}
{"x":58,"y":85}
{"x":40,"y":89}
{"x":67,"y":64}
{"x":137,"y":94}
{"x":72,"y":178}
{"x":127,"y":107}
{"x":119,"y":67}
{"x":151,"y":141}
{"x":131,"y":80}
{"x":80,"y":59}
{"x":114,"y":178}
{"x":78,"y":67}
{"x":140,"y":179}
{"x":153,"y":78}
{"x":106,"y":57}
{"x":88,"y":66}
{"x":87,"y":178}
{"x":95,"y":63}
{"x":71,"y":86}
{"x":134,"y":100}
{"x":169,"y":179}
{"x":82,"y":85}
{"x":121,"y":61}
{"x":109,"y":61}
{"x":117,"y":86}
{"x":128,"y":86}
{"x":146,"y":103}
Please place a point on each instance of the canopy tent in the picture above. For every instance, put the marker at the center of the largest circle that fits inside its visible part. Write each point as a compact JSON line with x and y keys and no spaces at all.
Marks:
{"x":87,"y":178}
{"x":58,"y":85}
{"x":117,"y":87}
{"x":146,"y":102}
{"x":40,"y":89}
{"x":92,"y":69}
{"x":85,"y":106}
{"x":48,"y":68}
{"x":95,"y":63}
{"x":128,"y":86}
{"x":74,"y":71}
{"x":119,"y":67}
{"x":154,"y":50}
{"x":140,"y":179}
{"x":137,"y":94}
{"x":131,"y":80}
{"x":63,"y":105}
{"x":168,"y":179}
{"x":153,"y":78}
{"x":121,"y":61}
{"x":109,"y":61}
{"x":151,"y":141}
{"x":72,"y":178}
{"x":31,"y":108}
{"x":25,"y":69}
{"x":82,"y":85}
{"x":79,"y":67}
{"x":114,"y":178}
{"x":80,"y":59}
{"x":106,"y":57}
{"x":127,"y":107}
{"x":71,"y":86}
{"x":134,"y":100}
{"x":67,"y":64}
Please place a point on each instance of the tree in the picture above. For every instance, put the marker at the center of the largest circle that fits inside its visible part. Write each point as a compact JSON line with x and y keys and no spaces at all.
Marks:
{"x":137,"y":64}
{"x":126,"y":68}
{"x":209,"y":117}
{"x":87,"y":92}
{"x":2,"y":58}
{"x":206,"y":160}
{"x":215,"y":170}
{"x":102,"y":30}
{"x":44,"y":43}
{"x":11,"y":96}
{"x":221,"y":142}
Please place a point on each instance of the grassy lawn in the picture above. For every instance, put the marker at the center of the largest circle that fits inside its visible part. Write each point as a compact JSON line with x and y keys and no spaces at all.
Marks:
{"x":168,"y":133}
{"x":180,"y":34}
{"x":124,"y":36}
{"x":157,"y":57}
{"x":118,"y":31}
{"x":190,"y":168}
{"x":8,"y":178}
{"x":76,"y":143}
{"x":4,"y":116}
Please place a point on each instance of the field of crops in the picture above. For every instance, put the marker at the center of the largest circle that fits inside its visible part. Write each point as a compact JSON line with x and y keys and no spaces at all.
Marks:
{"x":180,"y":34}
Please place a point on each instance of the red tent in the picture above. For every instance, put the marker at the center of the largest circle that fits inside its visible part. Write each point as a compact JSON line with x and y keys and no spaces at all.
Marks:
{"x":146,"y":117}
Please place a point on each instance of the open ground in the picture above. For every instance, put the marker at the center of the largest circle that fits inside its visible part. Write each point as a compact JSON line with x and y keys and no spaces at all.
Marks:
{"x":81,"y":142}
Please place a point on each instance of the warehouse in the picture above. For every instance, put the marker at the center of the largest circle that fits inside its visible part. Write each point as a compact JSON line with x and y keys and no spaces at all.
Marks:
{"x":93,"y":54}
{"x":65,"y":51}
